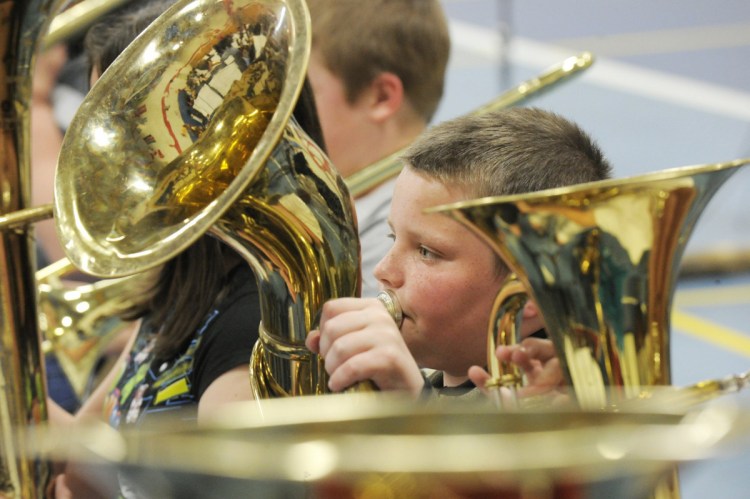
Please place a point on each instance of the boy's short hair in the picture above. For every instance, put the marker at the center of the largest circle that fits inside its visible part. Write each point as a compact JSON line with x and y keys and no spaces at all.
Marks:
{"x":510,"y":151}
{"x":359,"y":39}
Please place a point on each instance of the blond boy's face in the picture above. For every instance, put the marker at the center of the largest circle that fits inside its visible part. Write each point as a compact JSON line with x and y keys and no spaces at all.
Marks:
{"x":340,"y":120}
{"x":445,"y":278}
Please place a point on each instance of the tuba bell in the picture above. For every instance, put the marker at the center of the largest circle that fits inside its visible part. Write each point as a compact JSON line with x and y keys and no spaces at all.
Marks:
{"x":202,"y":139}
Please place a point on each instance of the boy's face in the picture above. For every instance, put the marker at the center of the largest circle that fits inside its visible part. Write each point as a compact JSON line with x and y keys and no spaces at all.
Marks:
{"x":445,"y":278}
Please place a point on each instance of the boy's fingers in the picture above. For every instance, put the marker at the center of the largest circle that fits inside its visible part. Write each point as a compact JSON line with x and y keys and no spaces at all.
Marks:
{"x":504,"y":353}
{"x":479,"y":377}
{"x":312,"y":342}
{"x":353,"y":370}
{"x":526,"y":362}
{"x":340,"y":326}
{"x":537,"y":348}
{"x":388,"y":372}
{"x":352,"y":315}
{"x":338,"y":306}
{"x":346,"y":347}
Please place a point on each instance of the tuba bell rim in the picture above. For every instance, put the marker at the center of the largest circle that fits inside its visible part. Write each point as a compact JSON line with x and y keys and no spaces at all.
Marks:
{"x":630,"y":183}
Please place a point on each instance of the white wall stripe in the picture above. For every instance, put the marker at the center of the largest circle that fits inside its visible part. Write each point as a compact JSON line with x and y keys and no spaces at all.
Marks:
{"x":707,"y":97}
{"x":664,"y":41}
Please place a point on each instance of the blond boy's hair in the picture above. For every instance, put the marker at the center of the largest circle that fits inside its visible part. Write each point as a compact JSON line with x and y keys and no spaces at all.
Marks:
{"x":359,"y":39}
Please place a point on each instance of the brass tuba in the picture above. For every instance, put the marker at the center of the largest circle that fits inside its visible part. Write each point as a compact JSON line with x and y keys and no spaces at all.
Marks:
{"x":601,"y":261}
{"x":201,"y":138}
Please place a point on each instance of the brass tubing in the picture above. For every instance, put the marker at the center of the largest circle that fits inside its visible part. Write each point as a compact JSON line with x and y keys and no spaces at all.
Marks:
{"x":77,"y":18}
{"x":20,"y":219}
{"x":504,"y":329}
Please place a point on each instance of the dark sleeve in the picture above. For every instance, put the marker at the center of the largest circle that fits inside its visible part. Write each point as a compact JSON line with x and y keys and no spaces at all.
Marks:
{"x":429,"y":389}
{"x":228,"y":341}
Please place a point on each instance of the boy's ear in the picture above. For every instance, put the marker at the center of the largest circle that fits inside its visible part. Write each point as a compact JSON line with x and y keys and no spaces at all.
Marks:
{"x":386,"y":96}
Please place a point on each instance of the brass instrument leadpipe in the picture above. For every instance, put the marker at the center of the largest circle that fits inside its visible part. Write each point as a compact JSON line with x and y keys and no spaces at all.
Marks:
{"x":375,"y":174}
{"x":390,"y":302}
{"x":688,"y":396}
{"x":20,"y":219}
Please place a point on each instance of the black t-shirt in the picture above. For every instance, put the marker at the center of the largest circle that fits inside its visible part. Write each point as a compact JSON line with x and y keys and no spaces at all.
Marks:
{"x":222,"y":342}
{"x":229,"y":341}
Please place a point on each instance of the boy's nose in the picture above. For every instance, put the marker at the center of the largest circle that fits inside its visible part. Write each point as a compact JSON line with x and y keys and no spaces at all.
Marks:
{"x":386,"y":271}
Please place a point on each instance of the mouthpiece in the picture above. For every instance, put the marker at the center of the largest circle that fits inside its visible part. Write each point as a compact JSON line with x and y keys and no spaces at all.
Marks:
{"x":390,"y":302}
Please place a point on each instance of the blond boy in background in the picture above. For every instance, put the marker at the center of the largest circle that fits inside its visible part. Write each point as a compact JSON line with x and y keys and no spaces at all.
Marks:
{"x":377,"y":70}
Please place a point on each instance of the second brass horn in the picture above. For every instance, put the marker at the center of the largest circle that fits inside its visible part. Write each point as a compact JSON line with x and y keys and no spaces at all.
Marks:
{"x":601,"y":261}
{"x":201,"y":137}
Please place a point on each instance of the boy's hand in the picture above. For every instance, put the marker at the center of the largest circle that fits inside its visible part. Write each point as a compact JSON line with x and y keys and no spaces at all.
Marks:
{"x":538,"y":361}
{"x":359,"y":341}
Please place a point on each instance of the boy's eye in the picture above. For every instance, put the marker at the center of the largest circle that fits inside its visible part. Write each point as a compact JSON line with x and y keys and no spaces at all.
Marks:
{"x":391,"y":236}
{"x":426,"y":253}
